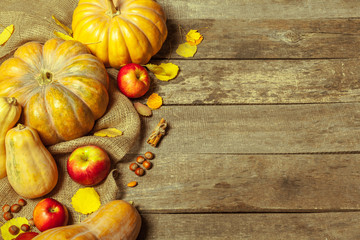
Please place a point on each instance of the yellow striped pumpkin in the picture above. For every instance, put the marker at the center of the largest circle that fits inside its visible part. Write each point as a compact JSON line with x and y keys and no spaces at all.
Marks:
{"x":120,"y":31}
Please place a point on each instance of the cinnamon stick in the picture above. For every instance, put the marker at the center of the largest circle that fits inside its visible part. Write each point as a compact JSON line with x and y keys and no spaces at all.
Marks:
{"x":157,"y":133}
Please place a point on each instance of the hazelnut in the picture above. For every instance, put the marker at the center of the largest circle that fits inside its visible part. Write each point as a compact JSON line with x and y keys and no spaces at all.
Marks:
{"x":149,"y":155}
{"x":147,"y":164}
{"x":139,"y":171}
{"x":140,"y":159}
{"x":6,"y":208}
{"x":133,"y":166}
{"x":25,"y":227}
{"x":22,"y":202}
{"x":15,"y":208}
{"x":8,"y":216}
{"x":31,"y":222}
{"x":14,"y":230}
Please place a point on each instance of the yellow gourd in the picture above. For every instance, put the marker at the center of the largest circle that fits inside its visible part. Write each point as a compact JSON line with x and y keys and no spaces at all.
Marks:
{"x":10,"y":112}
{"x":31,"y":169}
{"x":117,"y":219}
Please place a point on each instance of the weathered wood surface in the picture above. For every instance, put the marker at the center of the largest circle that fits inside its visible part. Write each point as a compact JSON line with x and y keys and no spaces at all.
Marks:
{"x":267,"y":38}
{"x":263,"y":82}
{"x":260,"y":9}
{"x":323,"y":226}
{"x":212,"y":183}
{"x":202,"y":82}
{"x":243,"y":129}
{"x":264,"y":124}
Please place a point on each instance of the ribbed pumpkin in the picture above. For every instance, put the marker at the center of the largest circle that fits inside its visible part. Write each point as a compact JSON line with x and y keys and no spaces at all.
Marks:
{"x":120,"y":31}
{"x":61,"y":86}
{"x":10,"y":112}
{"x":115,"y":220}
{"x":31,"y":169}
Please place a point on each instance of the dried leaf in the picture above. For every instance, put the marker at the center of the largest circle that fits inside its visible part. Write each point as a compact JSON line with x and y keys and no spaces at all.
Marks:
{"x":193,"y":37}
{"x":18,"y":221}
{"x":154,"y":101}
{"x":108,"y":132}
{"x":142,"y":109}
{"x":86,"y":200}
{"x":164,"y":71}
{"x":186,"y":50}
{"x":68,"y":30}
{"x":6,"y":34}
{"x":63,"y":35}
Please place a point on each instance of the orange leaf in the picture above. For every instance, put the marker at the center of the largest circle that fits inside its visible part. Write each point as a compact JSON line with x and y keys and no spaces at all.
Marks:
{"x":193,"y":37}
{"x":154,"y":101}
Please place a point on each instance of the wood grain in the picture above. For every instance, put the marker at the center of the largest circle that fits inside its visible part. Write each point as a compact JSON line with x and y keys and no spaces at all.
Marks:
{"x":267,"y":38}
{"x":203,"y":82}
{"x":302,"y":128}
{"x":188,"y":183}
{"x":260,"y":9}
{"x":324,"y":226}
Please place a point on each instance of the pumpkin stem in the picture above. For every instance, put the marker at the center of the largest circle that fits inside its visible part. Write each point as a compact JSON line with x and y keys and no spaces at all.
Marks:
{"x":45,"y":78}
{"x":11,"y":100}
{"x":20,"y":126}
{"x":112,"y":11}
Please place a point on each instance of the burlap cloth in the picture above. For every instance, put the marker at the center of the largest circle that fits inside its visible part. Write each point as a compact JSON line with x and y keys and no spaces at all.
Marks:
{"x":32,"y":21}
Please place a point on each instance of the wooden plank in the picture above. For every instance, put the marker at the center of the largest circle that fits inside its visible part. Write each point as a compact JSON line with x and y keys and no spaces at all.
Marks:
{"x":194,"y":183}
{"x":268,"y":38}
{"x":308,"y":128}
{"x":259,"y":82}
{"x":260,"y":9}
{"x":324,"y":226}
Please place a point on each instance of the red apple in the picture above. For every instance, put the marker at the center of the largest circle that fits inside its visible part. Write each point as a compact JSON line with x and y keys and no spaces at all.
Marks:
{"x":88,"y":165}
{"x":133,"y":80}
{"x":26,"y":236}
{"x":49,"y":213}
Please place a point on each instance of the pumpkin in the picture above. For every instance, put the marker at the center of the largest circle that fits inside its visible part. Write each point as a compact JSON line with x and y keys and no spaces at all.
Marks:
{"x":61,"y":86}
{"x":120,"y":31}
{"x":10,"y":112}
{"x":30,"y":168}
{"x":115,"y":220}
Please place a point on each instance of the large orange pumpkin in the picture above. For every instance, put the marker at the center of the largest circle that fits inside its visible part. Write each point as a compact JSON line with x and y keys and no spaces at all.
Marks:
{"x":61,"y":86}
{"x":120,"y":31}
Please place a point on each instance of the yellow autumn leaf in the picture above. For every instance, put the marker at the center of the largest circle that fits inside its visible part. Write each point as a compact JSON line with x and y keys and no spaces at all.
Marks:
{"x":186,"y":50}
{"x":86,"y":200}
{"x":154,"y":101}
{"x":193,"y":37}
{"x":68,"y":30}
{"x":63,"y":35}
{"x":164,"y":71}
{"x":108,"y":132}
{"x":6,"y":34}
{"x":18,"y":221}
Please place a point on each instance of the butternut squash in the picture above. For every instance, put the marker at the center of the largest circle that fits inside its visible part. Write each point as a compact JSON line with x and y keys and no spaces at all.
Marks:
{"x":115,"y":220}
{"x":31,"y":169}
{"x":10,"y":112}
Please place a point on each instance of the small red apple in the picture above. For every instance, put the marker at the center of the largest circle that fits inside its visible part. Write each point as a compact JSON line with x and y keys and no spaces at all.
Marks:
{"x":88,"y":165}
{"x":133,"y":80}
{"x":26,"y":236}
{"x":50,"y":213}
